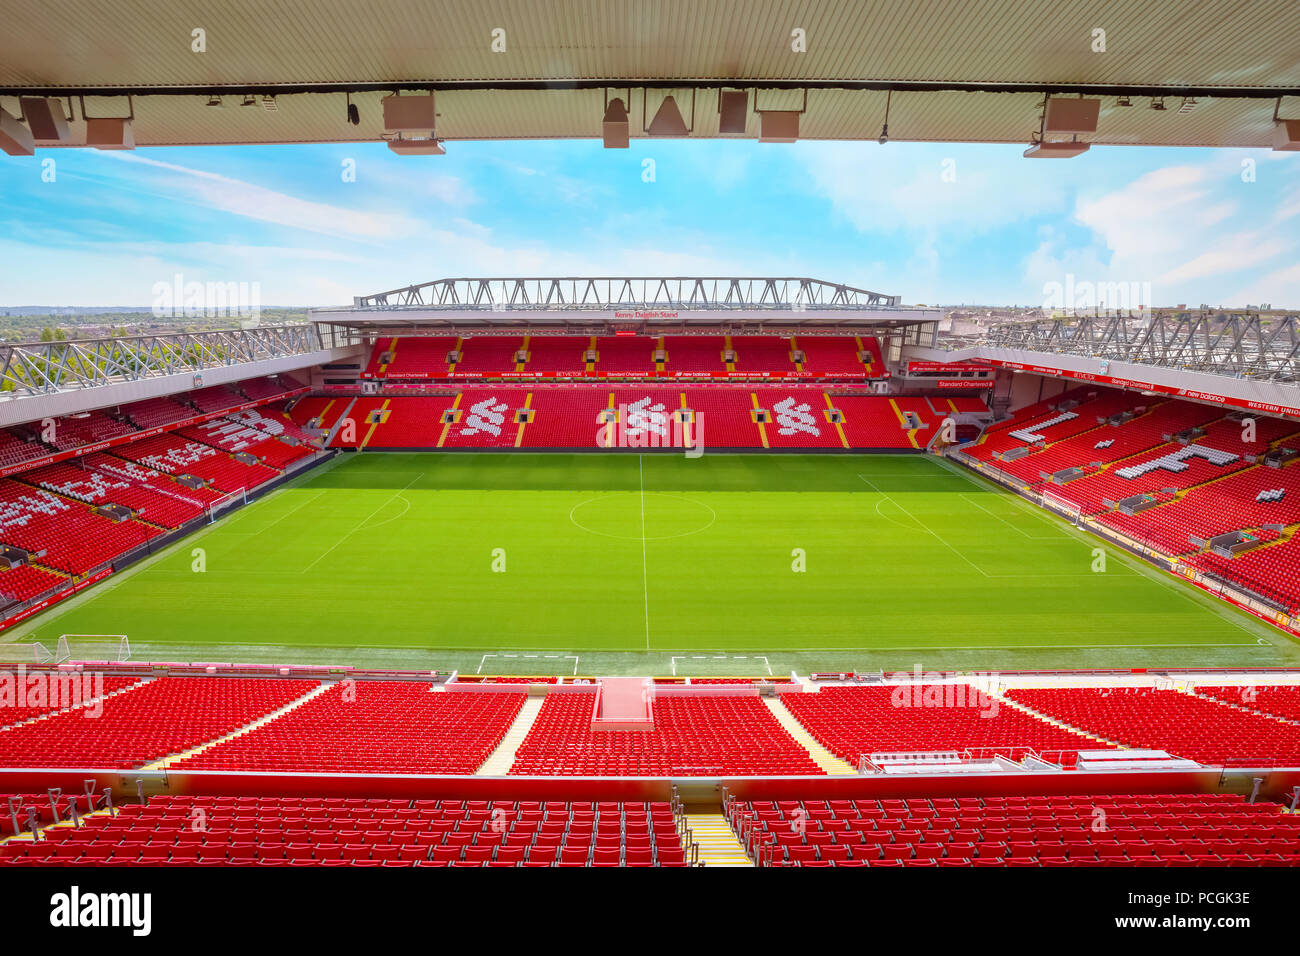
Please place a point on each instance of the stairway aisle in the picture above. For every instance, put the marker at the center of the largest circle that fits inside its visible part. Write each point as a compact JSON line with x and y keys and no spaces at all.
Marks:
{"x":500,"y":761}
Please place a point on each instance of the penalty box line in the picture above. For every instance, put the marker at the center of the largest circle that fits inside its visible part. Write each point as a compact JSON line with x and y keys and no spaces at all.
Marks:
{"x":720,"y":657}
{"x":546,"y":657}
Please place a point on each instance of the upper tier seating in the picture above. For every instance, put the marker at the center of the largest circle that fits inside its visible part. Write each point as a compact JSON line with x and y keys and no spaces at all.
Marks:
{"x":165,"y":716}
{"x":315,"y":831}
{"x":692,"y":736}
{"x":1206,"y":829}
{"x":156,"y":412}
{"x":756,"y":354}
{"x":215,"y":398}
{"x":837,"y":355}
{"x":413,"y":357}
{"x":16,"y":449}
{"x":702,"y":354}
{"x":1193,"y":727}
{"x":488,"y":355}
{"x":425,"y":357}
{"x":374,"y":727}
{"x":629,"y":355}
{"x":558,"y":355}
{"x":852,"y":722}
{"x":88,"y":429}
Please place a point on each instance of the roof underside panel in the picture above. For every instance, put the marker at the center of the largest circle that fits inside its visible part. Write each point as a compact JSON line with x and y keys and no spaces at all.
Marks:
{"x":1230,"y":50}
{"x":1230,"y":45}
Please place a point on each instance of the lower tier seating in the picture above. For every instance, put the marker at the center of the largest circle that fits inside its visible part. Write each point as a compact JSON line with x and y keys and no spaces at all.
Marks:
{"x":46,"y":691}
{"x":1279,"y":700}
{"x":374,"y":727}
{"x":160,"y":718}
{"x":1093,"y":830}
{"x":692,"y":736}
{"x":576,"y":416}
{"x":309,"y":831}
{"x":1197,"y":728}
{"x":852,"y":722}
{"x":63,"y":533}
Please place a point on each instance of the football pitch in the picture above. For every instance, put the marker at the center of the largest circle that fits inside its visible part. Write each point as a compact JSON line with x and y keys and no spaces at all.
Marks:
{"x":609,"y":563}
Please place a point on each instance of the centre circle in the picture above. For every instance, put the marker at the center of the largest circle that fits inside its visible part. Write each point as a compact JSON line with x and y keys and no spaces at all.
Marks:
{"x":631,"y":515}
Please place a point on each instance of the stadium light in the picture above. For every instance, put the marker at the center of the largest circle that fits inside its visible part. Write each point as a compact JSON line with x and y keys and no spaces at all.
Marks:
{"x":417,"y":147}
{"x":668,"y":122}
{"x":614,"y":127}
{"x":1055,"y":150}
{"x":1286,"y":135}
{"x":779,"y":126}
{"x":111,"y":132}
{"x":15,"y":138}
{"x":1072,"y":116}
{"x":733,"y":107}
{"x":45,"y":118}
{"x":409,"y":114}
{"x":884,"y":130}
{"x":354,"y":114}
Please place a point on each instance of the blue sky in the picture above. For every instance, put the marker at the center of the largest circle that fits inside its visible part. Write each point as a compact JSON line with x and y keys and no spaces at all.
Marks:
{"x":942,"y":223}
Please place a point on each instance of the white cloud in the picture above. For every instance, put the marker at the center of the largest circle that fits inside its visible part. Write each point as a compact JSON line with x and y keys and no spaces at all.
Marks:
{"x":251,"y":201}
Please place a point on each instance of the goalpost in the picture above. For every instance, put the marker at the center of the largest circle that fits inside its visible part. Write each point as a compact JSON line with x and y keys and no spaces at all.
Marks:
{"x":115,"y":646}
{"x":226,"y":502}
{"x":1061,"y":506}
{"x":35,"y":651}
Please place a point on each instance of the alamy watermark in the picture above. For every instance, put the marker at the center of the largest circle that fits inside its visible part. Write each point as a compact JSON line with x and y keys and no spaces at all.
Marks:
{"x":55,"y":690}
{"x":182,"y":299}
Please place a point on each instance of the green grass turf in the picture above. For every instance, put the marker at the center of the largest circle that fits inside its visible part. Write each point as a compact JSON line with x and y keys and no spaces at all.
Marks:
{"x":656,"y":563}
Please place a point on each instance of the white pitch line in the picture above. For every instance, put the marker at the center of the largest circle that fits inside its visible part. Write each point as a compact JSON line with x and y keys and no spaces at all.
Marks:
{"x":645,"y":573}
{"x":362,"y":524}
{"x":926,"y":528}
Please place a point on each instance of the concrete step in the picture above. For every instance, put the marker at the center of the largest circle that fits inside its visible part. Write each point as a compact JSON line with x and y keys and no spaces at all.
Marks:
{"x":827,"y":761}
{"x":500,"y":761}
{"x":718,"y":845}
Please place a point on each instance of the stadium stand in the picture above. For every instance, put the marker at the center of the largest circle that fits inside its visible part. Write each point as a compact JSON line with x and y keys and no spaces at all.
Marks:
{"x":494,"y":356}
{"x":1200,"y":729}
{"x":96,"y":487}
{"x":305,"y":831}
{"x":63,"y":534}
{"x":87,"y":429}
{"x":556,"y":355}
{"x":1090,"y":830}
{"x":1275,"y":700}
{"x":374,"y":727}
{"x":692,"y":736}
{"x":174,"y":455}
{"x":852,"y":722}
{"x":570,"y":417}
{"x":160,"y":718}
{"x":26,"y":581}
{"x":55,"y":693}
{"x":488,"y":355}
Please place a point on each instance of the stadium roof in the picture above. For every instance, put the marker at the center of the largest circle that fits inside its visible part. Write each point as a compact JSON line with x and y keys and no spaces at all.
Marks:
{"x":943,"y":71}
{"x":620,"y":303}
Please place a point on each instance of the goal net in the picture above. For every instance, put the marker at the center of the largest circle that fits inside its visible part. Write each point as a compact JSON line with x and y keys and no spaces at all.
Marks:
{"x":110,"y":647}
{"x":1061,"y":506}
{"x":21,"y":653}
{"x":225,"y":503}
